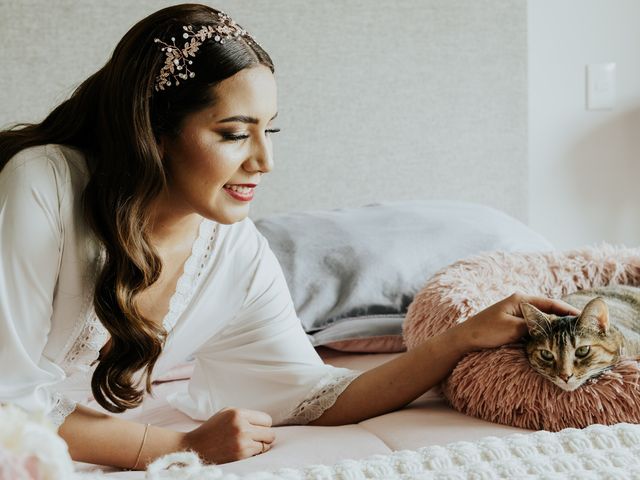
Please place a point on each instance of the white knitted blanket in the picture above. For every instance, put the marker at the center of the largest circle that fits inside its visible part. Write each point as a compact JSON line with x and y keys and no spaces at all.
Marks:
{"x":596,"y":452}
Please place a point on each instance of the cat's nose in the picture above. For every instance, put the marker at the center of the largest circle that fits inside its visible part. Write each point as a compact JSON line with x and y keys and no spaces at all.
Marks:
{"x":565,"y":377}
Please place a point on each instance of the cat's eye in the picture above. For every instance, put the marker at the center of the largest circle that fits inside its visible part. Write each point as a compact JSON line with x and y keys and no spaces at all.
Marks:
{"x":546,"y":355}
{"x":583,"y":351}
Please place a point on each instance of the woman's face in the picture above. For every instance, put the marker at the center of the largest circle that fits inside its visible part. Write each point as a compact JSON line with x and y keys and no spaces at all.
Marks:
{"x":223,"y":147}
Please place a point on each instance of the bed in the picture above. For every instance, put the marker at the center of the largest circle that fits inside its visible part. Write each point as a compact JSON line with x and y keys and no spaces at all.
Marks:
{"x":426,"y":439}
{"x":426,"y":421}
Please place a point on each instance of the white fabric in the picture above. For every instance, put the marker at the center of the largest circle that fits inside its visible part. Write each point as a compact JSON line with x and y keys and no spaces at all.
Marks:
{"x":231,"y":310}
{"x":322,"y":396}
{"x":597,"y":452}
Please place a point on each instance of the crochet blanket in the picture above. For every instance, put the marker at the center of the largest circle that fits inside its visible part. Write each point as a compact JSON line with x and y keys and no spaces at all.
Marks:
{"x":596,"y":452}
{"x":30,"y":449}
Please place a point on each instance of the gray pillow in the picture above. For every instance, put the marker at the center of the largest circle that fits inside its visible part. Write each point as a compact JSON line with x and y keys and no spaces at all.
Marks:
{"x":371,"y":260}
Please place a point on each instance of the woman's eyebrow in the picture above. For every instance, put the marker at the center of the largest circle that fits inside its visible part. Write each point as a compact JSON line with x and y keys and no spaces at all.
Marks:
{"x":243,"y":118}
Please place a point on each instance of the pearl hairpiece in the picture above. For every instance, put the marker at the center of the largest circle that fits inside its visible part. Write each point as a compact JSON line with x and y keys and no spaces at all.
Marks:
{"x":177,"y":60}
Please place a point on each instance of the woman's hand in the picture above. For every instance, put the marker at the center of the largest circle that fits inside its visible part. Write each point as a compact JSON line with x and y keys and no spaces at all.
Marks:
{"x":231,"y":434}
{"x":503,"y":322}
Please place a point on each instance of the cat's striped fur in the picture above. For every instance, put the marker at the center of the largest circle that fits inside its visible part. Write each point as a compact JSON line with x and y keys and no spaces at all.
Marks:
{"x":570,"y":350}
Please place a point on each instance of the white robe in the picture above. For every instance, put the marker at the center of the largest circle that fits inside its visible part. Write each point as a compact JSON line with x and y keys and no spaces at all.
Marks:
{"x":232,"y":310}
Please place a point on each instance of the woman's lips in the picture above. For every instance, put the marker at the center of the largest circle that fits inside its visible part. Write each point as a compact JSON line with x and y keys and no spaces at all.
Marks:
{"x":242,"y":196}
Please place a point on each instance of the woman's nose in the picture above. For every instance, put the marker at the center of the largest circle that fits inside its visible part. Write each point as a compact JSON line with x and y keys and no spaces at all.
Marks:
{"x":266,"y":161}
{"x":261,"y":158}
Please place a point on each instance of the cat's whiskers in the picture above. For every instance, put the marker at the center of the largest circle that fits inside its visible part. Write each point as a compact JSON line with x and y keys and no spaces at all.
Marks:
{"x":598,"y":372}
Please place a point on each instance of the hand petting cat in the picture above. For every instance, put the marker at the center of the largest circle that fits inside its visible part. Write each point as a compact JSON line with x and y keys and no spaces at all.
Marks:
{"x":503,"y":322}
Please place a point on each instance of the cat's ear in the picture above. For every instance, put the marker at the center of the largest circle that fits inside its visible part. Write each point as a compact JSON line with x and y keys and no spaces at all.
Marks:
{"x":595,"y":315}
{"x":537,"y":322}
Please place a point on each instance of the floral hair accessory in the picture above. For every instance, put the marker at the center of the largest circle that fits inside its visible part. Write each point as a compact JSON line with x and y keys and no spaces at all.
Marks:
{"x":177,"y":59}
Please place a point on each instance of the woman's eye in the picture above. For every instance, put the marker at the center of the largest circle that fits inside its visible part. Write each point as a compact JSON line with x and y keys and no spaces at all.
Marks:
{"x":231,"y":137}
{"x":583,"y":351}
{"x":546,"y":355}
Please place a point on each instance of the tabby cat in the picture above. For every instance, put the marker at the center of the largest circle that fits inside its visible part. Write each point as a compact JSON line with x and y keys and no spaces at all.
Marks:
{"x":570,"y":350}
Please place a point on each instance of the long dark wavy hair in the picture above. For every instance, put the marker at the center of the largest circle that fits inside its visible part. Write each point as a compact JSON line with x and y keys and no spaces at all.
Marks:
{"x":116,"y":117}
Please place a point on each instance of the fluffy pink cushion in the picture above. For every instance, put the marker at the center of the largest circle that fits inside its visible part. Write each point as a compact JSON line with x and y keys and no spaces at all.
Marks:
{"x":498,"y":384}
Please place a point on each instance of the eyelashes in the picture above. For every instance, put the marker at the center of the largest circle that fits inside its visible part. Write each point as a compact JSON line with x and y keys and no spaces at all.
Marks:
{"x":234,"y":138}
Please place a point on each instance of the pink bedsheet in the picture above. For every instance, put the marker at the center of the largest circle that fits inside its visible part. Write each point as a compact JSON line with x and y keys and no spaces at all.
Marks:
{"x":426,"y":421}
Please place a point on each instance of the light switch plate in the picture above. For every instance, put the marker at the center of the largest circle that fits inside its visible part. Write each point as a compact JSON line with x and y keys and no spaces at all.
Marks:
{"x":601,"y":86}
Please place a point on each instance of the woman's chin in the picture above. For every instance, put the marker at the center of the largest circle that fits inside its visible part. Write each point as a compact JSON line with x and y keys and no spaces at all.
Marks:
{"x":228,"y":216}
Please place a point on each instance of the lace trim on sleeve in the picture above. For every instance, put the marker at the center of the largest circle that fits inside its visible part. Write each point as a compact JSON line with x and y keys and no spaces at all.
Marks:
{"x":323,"y":395}
{"x":61,"y":410}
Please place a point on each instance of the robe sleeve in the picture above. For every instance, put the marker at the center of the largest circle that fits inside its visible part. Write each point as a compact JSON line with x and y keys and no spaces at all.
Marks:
{"x":263,"y":359}
{"x":31,"y":241}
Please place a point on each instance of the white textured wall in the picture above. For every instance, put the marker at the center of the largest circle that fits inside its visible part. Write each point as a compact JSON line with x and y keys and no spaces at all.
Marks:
{"x":584,"y":165}
{"x":378,"y":100}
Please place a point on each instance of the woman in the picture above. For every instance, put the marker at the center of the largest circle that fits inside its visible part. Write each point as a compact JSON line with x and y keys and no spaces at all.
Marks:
{"x":126,"y":248}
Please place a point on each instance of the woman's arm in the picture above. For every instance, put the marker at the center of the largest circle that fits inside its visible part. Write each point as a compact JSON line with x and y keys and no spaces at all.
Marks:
{"x":95,"y":437}
{"x":396,"y":383}
{"x":229,"y":435}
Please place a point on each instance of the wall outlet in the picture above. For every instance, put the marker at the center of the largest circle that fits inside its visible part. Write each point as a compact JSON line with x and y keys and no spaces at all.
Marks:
{"x":601,"y":86}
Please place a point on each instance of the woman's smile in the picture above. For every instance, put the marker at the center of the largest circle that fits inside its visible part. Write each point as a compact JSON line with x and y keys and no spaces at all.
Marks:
{"x":240,"y":192}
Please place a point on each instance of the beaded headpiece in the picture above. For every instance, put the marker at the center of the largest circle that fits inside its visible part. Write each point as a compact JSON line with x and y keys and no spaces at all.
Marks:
{"x":177,"y":59}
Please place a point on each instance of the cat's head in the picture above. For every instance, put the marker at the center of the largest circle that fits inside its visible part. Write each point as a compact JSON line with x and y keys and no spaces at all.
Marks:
{"x":570,"y":350}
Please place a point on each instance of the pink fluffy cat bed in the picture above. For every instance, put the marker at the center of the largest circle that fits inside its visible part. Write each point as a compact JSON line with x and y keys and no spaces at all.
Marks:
{"x":499,"y":385}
